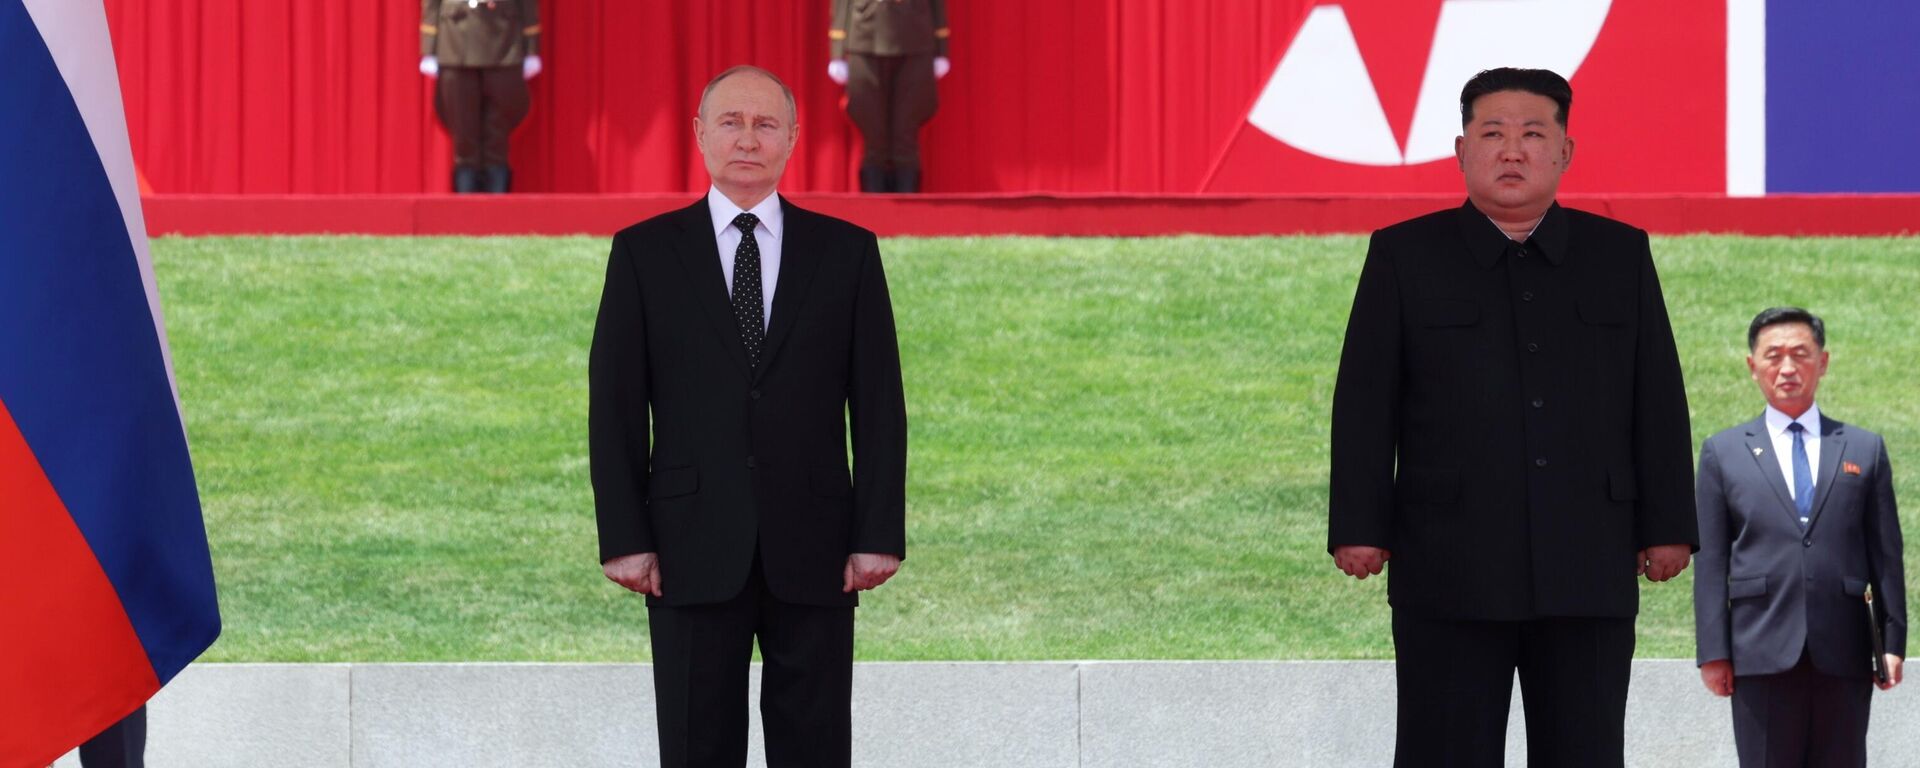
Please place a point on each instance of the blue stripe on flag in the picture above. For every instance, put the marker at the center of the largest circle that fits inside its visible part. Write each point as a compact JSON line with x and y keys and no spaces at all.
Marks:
{"x":1843,"y":96}
{"x":80,"y":363}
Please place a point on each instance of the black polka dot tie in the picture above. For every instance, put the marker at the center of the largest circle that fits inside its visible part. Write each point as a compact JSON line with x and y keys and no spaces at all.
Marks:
{"x":747,"y":306}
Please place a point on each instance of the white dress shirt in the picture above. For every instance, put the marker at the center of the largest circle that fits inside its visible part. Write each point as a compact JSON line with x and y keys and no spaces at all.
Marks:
{"x":767,"y":235}
{"x":1783,"y":443}
{"x":1503,"y":230}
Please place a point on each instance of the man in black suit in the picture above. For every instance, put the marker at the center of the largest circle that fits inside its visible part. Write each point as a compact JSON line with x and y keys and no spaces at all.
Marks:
{"x":736,"y":339}
{"x":1797,"y":521}
{"x":1510,"y":430}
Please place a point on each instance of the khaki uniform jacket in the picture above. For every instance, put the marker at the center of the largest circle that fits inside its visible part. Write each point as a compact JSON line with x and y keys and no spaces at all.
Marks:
{"x":479,"y":33}
{"x":889,"y":27}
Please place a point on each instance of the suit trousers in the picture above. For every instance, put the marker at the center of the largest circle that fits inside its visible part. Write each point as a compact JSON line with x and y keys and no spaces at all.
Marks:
{"x":1801,"y":718}
{"x":121,"y":745}
{"x":480,"y":106}
{"x":701,"y":656}
{"x":889,"y":98}
{"x":1455,"y":683}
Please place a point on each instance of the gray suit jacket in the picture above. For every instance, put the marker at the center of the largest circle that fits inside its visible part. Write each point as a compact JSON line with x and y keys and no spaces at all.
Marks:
{"x":1763,"y":589}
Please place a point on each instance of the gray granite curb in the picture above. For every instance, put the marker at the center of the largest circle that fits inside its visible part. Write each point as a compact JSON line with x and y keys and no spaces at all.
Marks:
{"x":1092,"y":714}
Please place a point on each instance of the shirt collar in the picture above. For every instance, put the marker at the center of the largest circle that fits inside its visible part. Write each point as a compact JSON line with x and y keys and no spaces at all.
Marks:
{"x":1487,"y":243}
{"x":1777,"y":422}
{"x":723,"y":211}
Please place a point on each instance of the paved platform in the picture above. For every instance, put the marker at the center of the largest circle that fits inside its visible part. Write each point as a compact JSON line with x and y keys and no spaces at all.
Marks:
{"x":1094,"y":714}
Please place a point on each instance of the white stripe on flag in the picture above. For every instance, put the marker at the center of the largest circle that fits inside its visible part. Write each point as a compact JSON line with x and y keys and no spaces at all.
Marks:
{"x":1746,"y":98}
{"x":75,"y":32}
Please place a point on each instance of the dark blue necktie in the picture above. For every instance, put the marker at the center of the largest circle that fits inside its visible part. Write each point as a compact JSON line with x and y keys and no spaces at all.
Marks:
{"x":1802,"y":474}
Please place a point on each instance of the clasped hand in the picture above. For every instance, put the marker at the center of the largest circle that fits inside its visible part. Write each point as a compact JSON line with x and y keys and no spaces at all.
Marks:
{"x":1657,"y":563}
{"x":1663,"y":561}
{"x":641,"y":572}
{"x":1361,"y":561}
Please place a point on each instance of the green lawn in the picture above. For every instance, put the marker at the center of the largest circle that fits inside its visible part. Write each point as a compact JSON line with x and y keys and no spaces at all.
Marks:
{"x":1118,"y":446}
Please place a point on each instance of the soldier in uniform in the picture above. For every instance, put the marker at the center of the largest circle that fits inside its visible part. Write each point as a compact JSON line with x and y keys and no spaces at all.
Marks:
{"x":888,"y":53}
{"x":482,"y":52}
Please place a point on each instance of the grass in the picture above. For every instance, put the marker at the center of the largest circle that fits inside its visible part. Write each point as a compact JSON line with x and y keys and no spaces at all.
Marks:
{"x":1119,"y":447}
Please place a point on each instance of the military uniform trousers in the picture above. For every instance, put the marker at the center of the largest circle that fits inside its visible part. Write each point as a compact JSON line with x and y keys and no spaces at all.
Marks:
{"x":889,"y":98}
{"x":480,"y":106}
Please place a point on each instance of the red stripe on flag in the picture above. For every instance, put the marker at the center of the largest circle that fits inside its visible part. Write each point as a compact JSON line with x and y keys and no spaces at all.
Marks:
{"x":70,"y":663}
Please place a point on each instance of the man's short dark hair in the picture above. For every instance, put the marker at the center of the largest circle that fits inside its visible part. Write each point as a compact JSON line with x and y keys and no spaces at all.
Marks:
{"x":1540,"y":82}
{"x":793,"y":111}
{"x":1783,"y":316}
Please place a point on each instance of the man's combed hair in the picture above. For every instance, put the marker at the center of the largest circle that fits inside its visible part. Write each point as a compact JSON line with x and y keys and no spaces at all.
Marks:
{"x":1783,"y":315}
{"x":793,"y":112}
{"x":1540,"y":82}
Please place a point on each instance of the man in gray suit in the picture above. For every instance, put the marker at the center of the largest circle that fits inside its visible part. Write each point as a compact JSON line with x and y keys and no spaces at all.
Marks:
{"x":1797,"y":523}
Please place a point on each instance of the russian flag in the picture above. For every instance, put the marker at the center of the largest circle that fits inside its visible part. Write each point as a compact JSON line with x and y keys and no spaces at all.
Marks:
{"x":106,"y":585}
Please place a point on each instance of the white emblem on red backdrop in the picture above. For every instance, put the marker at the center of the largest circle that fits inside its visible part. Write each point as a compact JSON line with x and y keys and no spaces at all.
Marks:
{"x":1325,"y":99}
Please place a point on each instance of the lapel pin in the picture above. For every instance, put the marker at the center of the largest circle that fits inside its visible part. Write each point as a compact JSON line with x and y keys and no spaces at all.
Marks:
{"x":1850,"y":468}
{"x":1758,"y":451}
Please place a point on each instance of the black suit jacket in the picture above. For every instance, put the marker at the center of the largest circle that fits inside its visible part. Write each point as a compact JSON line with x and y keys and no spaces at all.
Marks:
{"x":703,"y":460}
{"x":1513,"y":427}
{"x":1763,"y":589}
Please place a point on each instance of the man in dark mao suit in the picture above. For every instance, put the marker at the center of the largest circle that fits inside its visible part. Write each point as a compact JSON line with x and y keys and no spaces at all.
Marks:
{"x":741,"y":341}
{"x":1510,"y":430}
{"x":1797,"y":522}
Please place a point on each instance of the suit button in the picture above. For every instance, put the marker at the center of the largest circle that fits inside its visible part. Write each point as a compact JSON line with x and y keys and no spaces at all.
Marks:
{"x":1806,"y":542}
{"x":1539,"y":462}
{"x":1526,"y":295}
{"x":755,"y":394}
{"x":1539,"y":403}
{"x":749,"y":462}
{"x":1533,"y":347}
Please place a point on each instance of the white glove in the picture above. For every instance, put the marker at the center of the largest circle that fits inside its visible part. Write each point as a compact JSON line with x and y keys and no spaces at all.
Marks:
{"x":837,"y":71}
{"x":430,"y":66}
{"x":941,"y":67}
{"x":530,"y":66}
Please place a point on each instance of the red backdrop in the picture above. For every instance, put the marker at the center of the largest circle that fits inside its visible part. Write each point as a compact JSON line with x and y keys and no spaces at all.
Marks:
{"x":232,"y":96}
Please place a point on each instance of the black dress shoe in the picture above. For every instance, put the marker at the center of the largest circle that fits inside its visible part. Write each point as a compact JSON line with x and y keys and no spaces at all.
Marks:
{"x":872,"y":179}
{"x":466,"y":179}
{"x":906,"y":180}
{"x":499,"y":179}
